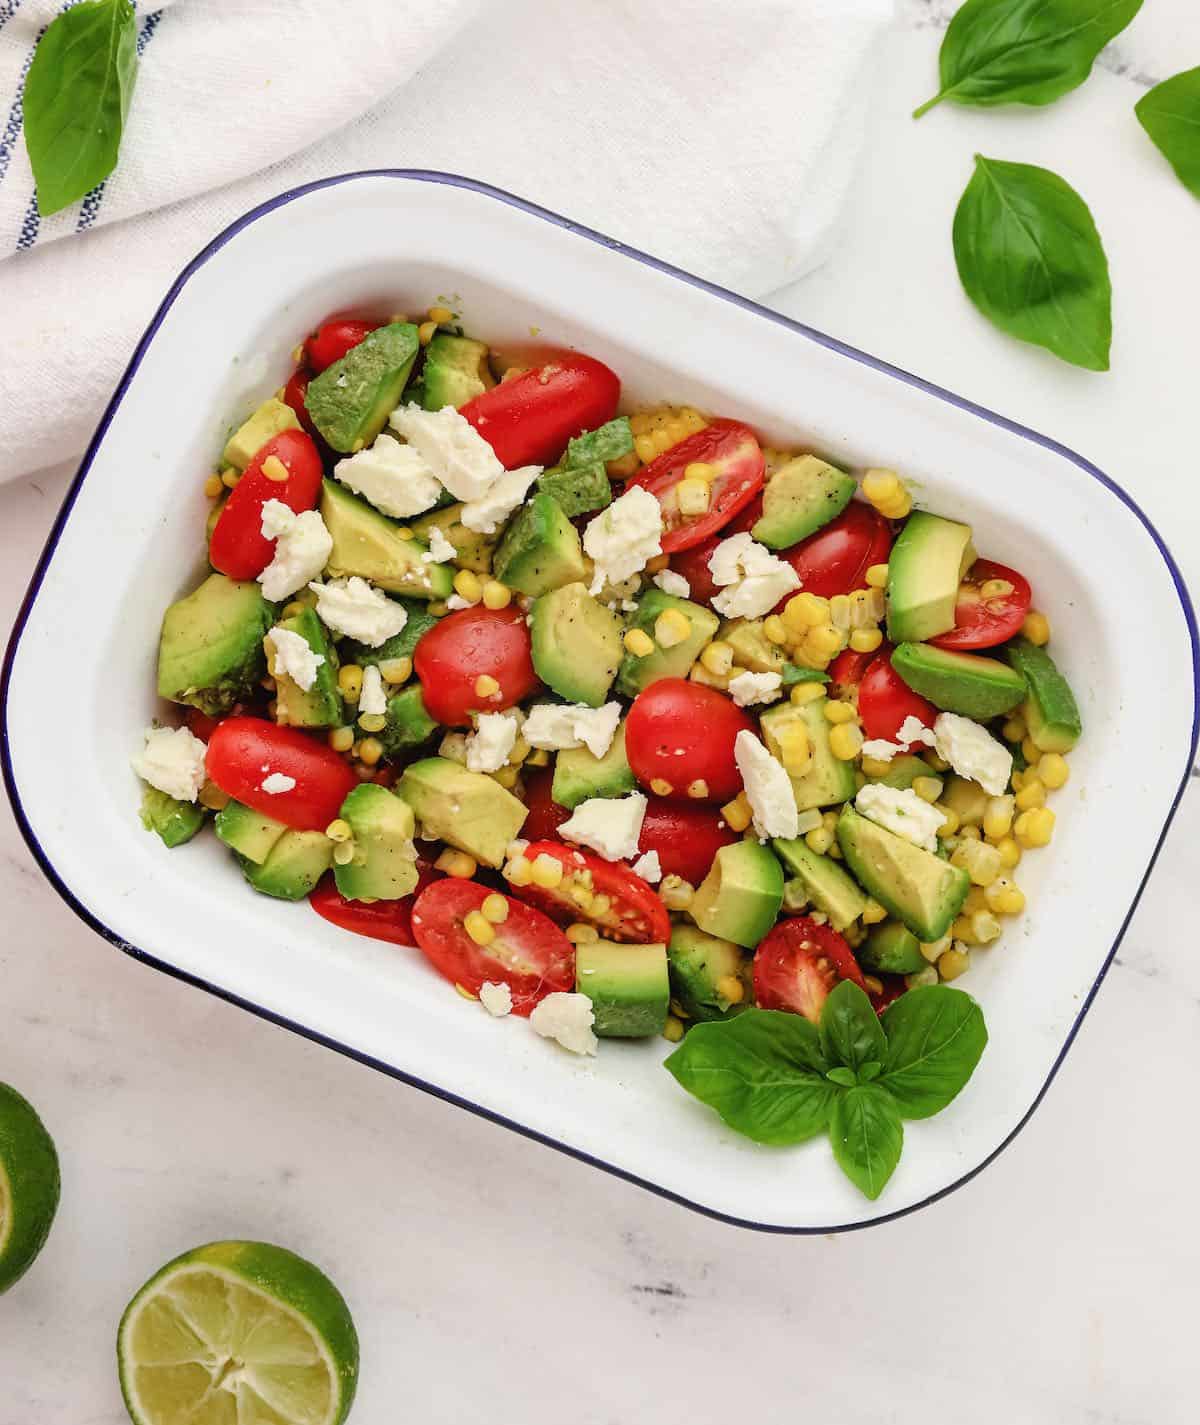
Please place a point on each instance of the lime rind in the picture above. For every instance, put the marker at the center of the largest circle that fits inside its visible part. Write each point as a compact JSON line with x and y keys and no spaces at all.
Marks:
{"x":29,"y":1185}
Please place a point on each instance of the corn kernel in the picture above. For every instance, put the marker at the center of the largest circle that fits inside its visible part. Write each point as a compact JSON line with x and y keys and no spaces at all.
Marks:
{"x":496,"y":595}
{"x":836,"y":712}
{"x":372,"y":722}
{"x":547,"y":871}
{"x":819,"y":840}
{"x":426,"y":332}
{"x":730,"y":988}
{"x":518,"y":872}
{"x":343,"y":853}
{"x":952,"y":963}
{"x":845,"y":741}
{"x":698,"y":789}
{"x":1032,"y":794}
{"x":582,"y":934}
{"x":839,"y":612}
{"x":274,"y":469}
{"x":495,"y":908}
{"x":824,"y":640}
{"x":645,"y":447}
{"x":506,"y":777}
{"x":350,"y":677}
{"x":717,"y":658}
{"x":873,"y":767}
{"x":927,"y":788}
{"x":213,"y":486}
{"x":995,"y":589}
{"x":1014,"y":730}
{"x":877,"y":576}
{"x":737,"y":813}
{"x":338,"y":830}
{"x":230,"y":478}
{"x":806,"y":693}
{"x":873,"y":912}
{"x":1010,"y":852}
{"x":676,"y":893}
{"x":795,"y":748}
{"x":970,"y":833}
{"x":479,"y":928}
{"x":370,"y":750}
{"x":985,"y":927}
{"x":486,"y":686}
{"x":640,"y":644}
{"x":693,"y":497}
{"x":457,"y":864}
{"x":998,"y":817}
{"x":1036,"y":627}
{"x":980,"y":861}
{"x":933,"y":950}
{"x":896,"y":509}
{"x":774,"y":629}
{"x":661,"y":787}
{"x":698,"y":673}
{"x":866,"y":640}
{"x":341,"y":739}
{"x":950,"y":820}
{"x":671,"y":627}
{"x":440,"y":315}
{"x":212,"y":797}
{"x":539,"y":757}
{"x":673,"y":1030}
{"x":396,"y":670}
{"x":1004,"y":897}
{"x":1053,"y":771}
{"x":927,"y":976}
{"x":805,"y":611}
{"x":1034,"y":827}
{"x":467,"y":586}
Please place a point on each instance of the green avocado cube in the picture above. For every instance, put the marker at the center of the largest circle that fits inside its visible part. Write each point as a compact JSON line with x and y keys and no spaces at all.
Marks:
{"x":350,"y":401}
{"x":1051,"y":712}
{"x":925,"y":568}
{"x":540,"y":550}
{"x":383,"y":866}
{"x":293,"y":865}
{"x":466,"y":809}
{"x":576,"y":644}
{"x":740,"y":897}
{"x":174,"y":821}
{"x":579,"y":489}
{"x":210,"y":651}
{"x":705,"y":970}
{"x":922,"y":891}
{"x":627,"y":985}
{"x":965,"y":683}
{"x":271,"y":419}
{"x":799,"y":498}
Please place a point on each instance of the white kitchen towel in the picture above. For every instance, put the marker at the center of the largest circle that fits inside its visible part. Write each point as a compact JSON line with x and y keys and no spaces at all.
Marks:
{"x":719,"y":134}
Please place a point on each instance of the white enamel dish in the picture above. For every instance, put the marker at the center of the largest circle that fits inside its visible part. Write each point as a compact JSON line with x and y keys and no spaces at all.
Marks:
{"x":128,"y":542}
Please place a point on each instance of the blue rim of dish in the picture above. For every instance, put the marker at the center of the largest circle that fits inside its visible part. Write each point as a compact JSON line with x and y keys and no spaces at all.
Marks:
{"x":821,"y":339}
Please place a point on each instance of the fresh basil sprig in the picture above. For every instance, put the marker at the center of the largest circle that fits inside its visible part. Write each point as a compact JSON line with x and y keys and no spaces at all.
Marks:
{"x":780,"y":1080}
{"x":1170,"y":114}
{"x":1031,"y":260}
{"x":1024,"y":51}
{"x":77,"y":97}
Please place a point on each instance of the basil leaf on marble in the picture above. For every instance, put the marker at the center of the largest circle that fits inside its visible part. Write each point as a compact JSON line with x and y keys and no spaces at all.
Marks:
{"x":1170,"y":114}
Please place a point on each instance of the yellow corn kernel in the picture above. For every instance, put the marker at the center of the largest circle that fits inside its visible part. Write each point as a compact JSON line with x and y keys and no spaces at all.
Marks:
{"x":343,"y":853}
{"x":640,"y":644}
{"x":962,"y":932}
{"x":645,"y":447}
{"x":995,"y":589}
{"x":671,"y":627}
{"x":370,"y":750}
{"x":440,"y":315}
{"x":896,"y":509}
{"x":824,"y":640}
{"x":350,"y":677}
{"x":933,"y":950}
{"x":495,"y":908}
{"x":693,"y":497}
{"x":518,"y":872}
{"x":805,"y":611}
{"x":676,"y":893}
{"x":338,"y":830}
{"x":1030,"y":751}
{"x":457,"y":864}
{"x":479,"y":928}
{"x":1017,"y":780}
{"x":496,"y":595}
{"x":845,"y":741}
{"x":873,"y":767}
{"x":698,"y":673}
{"x":839,"y":612}
{"x":341,"y":739}
{"x":486,"y":686}
{"x":213,"y":486}
{"x":974,"y":900}
{"x":539,"y":757}
{"x":877,"y":576}
{"x":467,"y":586}
{"x":806,"y":693}
{"x":212,"y":797}
{"x":819,"y":839}
{"x":979,"y":860}
{"x":698,"y":789}
{"x":795,"y":748}
{"x":426,"y":332}
{"x":661,"y":787}
{"x":951,"y":821}
{"x":1014,"y":730}
{"x":673,"y":1029}
{"x":998,"y":817}
{"x":969,"y":833}
{"x":700,"y":470}
{"x":718,"y":658}
{"x":873,"y":913}
{"x":466,"y":993}
{"x":438,"y":607}
{"x":774,"y":629}
{"x":547,"y":871}
{"x":1034,"y":827}
{"x":274,"y":469}
{"x":927,"y":788}
{"x":1052,"y":771}
{"x":230,"y":479}
{"x":1005,"y":897}
{"x":396,"y":670}
{"x":1036,"y":627}
{"x":372,"y":722}
{"x":1032,"y":794}
{"x":866,"y":640}
{"x":581,"y":934}
{"x":737,"y":813}
{"x":729,"y":987}
{"x":952,"y":963}
{"x":985,"y":927}
{"x":1010,"y":852}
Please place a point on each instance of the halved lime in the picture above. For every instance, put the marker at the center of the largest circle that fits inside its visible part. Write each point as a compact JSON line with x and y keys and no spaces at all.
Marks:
{"x":28,"y":1185}
{"x":238,"y":1333}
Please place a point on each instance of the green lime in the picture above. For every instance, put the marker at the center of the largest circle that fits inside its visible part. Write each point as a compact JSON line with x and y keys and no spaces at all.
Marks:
{"x":238,"y":1333}
{"x":28,"y":1185}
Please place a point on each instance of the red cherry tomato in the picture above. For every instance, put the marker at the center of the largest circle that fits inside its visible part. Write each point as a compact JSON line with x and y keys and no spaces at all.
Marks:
{"x":835,"y":560}
{"x":980,"y":622}
{"x":295,"y":395}
{"x":679,"y":733}
{"x":333,"y":339}
{"x":528,"y":420}
{"x":238,"y":546}
{"x":885,"y":700}
{"x":634,"y":912}
{"x":847,"y":669}
{"x":732,"y":450}
{"x":686,"y":835}
{"x":545,"y":815}
{"x":797,"y":965}
{"x":893,"y":988}
{"x":199,"y":724}
{"x":530,"y":954}
{"x":465,"y":646}
{"x":243,"y":751}
{"x":381,"y":920}
{"x":692,"y":563}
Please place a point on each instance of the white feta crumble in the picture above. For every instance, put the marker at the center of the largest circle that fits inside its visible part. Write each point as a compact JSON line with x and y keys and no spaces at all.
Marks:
{"x":561,"y":726}
{"x":567,"y":1018}
{"x":372,"y":698}
{"x":294,"y":658}
{"x":452,"y":448}
{"x":901,"y":811}
{"x":911,"y":731}
{"x":751,"y":578}
{"x":486,"y":514}
{"x":648,"y":867}
{"x":456,"y":602}
{"x":440,"y":549}
{"x":610,"y":826}
{"x":496,"y":998}
{"x":354,"y":608}
{"x":768,"y":788}
{"x":672,"y":583}
{"x":624,"y":537}
{"x":973,"y":752}
{"x":491,"y":742}
{"x":277,"y":782}
{"x":302,"y":545}
{"x":748,"y":688}
{"x":172,"y":761}
{"x":393,"y":477}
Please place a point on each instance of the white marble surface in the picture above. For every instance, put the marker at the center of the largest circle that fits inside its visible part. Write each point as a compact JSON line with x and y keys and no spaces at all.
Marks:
{"x":493,"y":1279}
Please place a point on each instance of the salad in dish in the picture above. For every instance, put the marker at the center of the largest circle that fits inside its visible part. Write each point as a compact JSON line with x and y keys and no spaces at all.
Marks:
{"x":631,"y":724}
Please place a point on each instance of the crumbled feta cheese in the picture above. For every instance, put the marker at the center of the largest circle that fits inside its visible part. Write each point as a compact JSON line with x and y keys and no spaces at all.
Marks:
{"x":353,"y":608}
{"x":901,"y":811}
{"x":294,"y":658}
{"x":912,"y":730}
{"x":973,"y":752}
{"x":486,"y":514}
{"x":491,"y":742}
{"x":751,"y":578}
{"x":440,"y":549}
{"x":624,"y":537}
{"x":558,"y":726}
{"x":672,"y":583}
{"x":567,"y":1018}
{"x":277,"y":782}
{"x":496,"y":998}
{"x":373,"y":698}
{"x":172,"y":761}
{"x":393,"y":477}
{"x":452,"y":448}
{"x":648,"y":867}
{"x":768,"y":788}
{"x":456,"y":602}
{"x":748,"y":688}
{"x":302,"y":545}
{"x":608,"y":825}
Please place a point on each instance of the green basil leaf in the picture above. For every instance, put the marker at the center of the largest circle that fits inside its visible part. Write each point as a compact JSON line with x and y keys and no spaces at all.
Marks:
{"x":763,"y":1072}
{"x":840,"y":1074}
{"x":77,"y":96}
{"x":1024,"y":51}
{"x":1031,"y":260}
{"x":935,"y":1037}
{"x":870,"y":1070}
{"x":867,"y":1137}
{"x":1170,"y":114}
{"x":850,"y":1030}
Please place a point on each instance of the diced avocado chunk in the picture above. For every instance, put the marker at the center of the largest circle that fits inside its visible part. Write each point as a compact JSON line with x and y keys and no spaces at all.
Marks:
{"x":540,"y":549}
{"x":210,"y":651}
{"x":472,"y":550}
{"x":704,"y":969}
{"x":752,"y":648}
{"x":350,"y":401}
{"x":925,"y":568}
{"x":579,"y":489}
{"x":250,"y":833}
{"x":320,"y":705}
{"x":400,"y":645}
{"x":576,"y":644}
{"x":466,"y":809}
{"x":174,"y":821}
{"x":408,"y":722}
{"x":826,"y":884}
{"x":902,"y":771}
{"x":966,"y":683}
{"x":293,"y":866}
{"x":271,"y":418}
{"x":921,"y":890}
{"x":611,"y":441}
{"x":627,"y":985}
{"x":384,"y":864}
{"x":890,"y":949}
{"x":455,"y":371}
{"x":673,"y":662}
{"x":370,"y":545}
{"x":740,"y":897}
{"x":828,"y":780}
{"x":799,"y":498}
{"x":578,"y":775}
{"x":1051,"y":712}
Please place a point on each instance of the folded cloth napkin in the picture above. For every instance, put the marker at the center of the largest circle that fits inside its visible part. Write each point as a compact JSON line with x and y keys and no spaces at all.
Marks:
{"x":721,"y":135}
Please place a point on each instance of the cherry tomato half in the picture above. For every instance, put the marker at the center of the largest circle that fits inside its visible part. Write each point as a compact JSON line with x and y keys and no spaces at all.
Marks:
{"x":731,"y":449}
{"x":983,"y":622}
{"x":333,"y":339}
{"x":238,"y":546}
{"x":381,"y":920}
{"x":529,"y":954}
{"x":679,"y":733}
{"x":893,"y":987}
{"x":835,"y":560}
{"x":295,"y":393}
{"x":692,"y":563}
{"x":199,"y":724}
{"x":465,"y":646}
{"x":847,"y":669}
{"x":633,"y":912}
{"x":243,"y":751}
{"x":686,"y":835}
{"x":545,"y":815}
{"x":528,"y":420}
{"x":797,"y":965}
{"x":885,"y":700}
